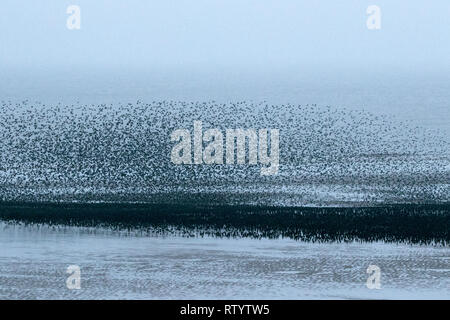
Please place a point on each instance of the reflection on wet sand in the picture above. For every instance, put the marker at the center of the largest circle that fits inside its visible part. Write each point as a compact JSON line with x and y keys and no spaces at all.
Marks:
{"x":33,"y":263}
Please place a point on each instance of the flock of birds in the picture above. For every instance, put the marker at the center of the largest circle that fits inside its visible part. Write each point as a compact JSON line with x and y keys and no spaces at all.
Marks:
{"x":121,"y":153}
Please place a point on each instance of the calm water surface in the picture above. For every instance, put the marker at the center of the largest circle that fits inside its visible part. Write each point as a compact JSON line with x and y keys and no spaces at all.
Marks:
{"x":33,"y":262}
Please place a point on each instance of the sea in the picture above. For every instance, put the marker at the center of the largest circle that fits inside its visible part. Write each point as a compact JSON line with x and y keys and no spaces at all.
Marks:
{"x":348,"y":140}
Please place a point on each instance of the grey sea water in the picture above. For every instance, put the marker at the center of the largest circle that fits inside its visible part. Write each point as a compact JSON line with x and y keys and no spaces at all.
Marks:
{"x":358,"y":139}
{"x":414,"y":114}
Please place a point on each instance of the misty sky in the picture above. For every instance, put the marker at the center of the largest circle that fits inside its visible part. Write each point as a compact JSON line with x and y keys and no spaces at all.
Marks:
{"x":263,"y":34}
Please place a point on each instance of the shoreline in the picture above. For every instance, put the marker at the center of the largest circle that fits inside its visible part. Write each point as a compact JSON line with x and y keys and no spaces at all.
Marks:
{"x":408,"y":223}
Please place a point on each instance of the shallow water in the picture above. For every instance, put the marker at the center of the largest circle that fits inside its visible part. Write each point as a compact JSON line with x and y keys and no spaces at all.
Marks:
{"x":33,"y":262}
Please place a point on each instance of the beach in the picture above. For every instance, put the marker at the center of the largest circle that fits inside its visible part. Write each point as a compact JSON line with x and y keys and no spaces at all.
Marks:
{"x":119,"y":265}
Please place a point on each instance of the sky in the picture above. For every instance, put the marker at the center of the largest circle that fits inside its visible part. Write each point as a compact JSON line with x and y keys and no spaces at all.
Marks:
{"x":228,"y":34}
{"x":295,"y":51}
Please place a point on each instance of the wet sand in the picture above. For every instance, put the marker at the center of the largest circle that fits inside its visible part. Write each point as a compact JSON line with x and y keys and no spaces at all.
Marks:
{"x":34,"y":259}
